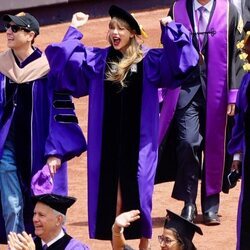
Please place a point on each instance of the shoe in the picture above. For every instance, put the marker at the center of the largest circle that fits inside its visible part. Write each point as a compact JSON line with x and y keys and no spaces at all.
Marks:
{"x":189,"y":212}
{"x":211,"y":218}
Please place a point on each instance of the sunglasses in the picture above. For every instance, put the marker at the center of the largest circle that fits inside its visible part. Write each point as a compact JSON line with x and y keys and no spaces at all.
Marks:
{"x":15,"y":28}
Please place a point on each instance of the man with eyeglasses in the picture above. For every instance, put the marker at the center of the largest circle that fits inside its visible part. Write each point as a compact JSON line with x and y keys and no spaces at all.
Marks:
{"x":38,"y":125}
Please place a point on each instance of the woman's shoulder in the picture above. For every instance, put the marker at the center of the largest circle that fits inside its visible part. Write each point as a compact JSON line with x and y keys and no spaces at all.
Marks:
{"x":152,"y":53}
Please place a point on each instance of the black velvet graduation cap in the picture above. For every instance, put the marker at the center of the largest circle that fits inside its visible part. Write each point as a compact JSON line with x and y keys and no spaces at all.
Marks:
{"x":182,"y":226}
{"x":115,"y":11}
{"x":58,"y":202}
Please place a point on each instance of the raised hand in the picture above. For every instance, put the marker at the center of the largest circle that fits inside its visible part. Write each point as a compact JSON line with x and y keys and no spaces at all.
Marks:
{"x":124,"y":219}
{"x":165,"y":20}
{"x":79,"y":19}
{"x":54,"y":164}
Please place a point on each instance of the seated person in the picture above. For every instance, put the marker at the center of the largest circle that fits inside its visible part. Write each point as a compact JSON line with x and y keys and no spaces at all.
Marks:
{"x":49,"y":217}
{"x":177,"y":232}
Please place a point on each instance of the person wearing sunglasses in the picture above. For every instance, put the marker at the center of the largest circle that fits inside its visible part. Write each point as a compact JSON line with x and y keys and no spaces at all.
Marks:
{"x":33,"y":118}
{"x":177,"y":232}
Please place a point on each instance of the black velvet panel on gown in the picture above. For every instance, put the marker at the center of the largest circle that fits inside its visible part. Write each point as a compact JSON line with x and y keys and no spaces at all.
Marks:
{"x":120,"y":150}
{"x":22,"y":126}
{"x":58,"y":245}
{"x":19,"y":97}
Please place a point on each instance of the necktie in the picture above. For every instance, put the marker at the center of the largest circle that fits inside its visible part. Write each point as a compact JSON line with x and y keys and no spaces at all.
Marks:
{"x":202,"y":24}
{"x":45,"y":247}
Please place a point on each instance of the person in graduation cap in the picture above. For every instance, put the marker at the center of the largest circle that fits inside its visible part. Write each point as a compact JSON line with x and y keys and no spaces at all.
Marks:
{"x":239,"y":146}
{"x":203,"y":108}
{"x":177,"y":232}
{"x":38,"y":124}
{"x":122,"y":82}
{"x":49,"y":218}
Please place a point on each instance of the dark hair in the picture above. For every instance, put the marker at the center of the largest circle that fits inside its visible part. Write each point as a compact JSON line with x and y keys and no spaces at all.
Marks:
{"x":188,"y":245}
{"x":183,"y":241}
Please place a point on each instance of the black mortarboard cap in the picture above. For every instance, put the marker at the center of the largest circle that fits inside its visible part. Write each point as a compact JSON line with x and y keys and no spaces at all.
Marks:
{"x":58,"y":202}
{"x":182,"y":226}
{"x":115,"y":11}
{"x":25,"y":20}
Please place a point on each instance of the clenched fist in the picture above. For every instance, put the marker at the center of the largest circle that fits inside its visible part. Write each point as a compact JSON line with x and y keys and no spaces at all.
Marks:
{"x":79,"y":19}
{"x":165,"y":20}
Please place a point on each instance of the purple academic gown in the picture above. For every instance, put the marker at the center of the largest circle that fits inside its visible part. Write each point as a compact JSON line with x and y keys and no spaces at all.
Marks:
{"x":76,"y":245}
{"x":240,"y":142}
{"x":82,"y":73}
{"x":49,"y":135}
{"x":64,"y":243}
{"x":219,"y":94}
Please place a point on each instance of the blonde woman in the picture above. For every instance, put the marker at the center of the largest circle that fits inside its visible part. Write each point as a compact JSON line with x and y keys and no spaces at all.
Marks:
{"x":122,"y":82}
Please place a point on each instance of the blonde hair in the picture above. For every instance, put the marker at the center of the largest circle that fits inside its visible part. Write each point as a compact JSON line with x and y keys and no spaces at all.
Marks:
{"x":117,"y":71}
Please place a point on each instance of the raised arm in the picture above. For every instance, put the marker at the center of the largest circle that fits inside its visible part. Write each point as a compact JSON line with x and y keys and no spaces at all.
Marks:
{"x":121,"y":221}
{"x":69,"y":60}
{"x":179,"y":54}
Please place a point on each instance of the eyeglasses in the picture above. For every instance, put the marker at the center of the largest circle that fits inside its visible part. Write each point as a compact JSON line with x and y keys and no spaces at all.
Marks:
{"x":15,"y":28}
{"x":165,"y":240}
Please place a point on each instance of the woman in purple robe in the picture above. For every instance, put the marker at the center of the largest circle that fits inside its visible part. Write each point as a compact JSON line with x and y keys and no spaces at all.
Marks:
{"x":122,"y":82}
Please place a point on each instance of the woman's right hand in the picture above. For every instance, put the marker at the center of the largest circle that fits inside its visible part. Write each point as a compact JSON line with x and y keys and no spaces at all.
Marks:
{"x":79,"y":19}
{"x":166,"y":20}
{"x":124,"y":219}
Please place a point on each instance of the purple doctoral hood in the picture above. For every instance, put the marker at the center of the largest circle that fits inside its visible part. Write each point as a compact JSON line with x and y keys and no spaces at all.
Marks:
{"x":76,"y":245}
{"x":217,"y":93}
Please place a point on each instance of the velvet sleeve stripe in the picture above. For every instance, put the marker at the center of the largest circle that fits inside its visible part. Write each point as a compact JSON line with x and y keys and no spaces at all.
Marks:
{"x":62,"y":118}
{"x":59,"y":104}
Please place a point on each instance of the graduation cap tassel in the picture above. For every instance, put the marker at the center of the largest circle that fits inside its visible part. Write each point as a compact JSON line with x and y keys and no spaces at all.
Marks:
{"x":143,"y":32}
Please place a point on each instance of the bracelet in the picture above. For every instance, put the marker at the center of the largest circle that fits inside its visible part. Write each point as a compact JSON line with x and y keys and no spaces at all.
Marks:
{"x":117,"y":233}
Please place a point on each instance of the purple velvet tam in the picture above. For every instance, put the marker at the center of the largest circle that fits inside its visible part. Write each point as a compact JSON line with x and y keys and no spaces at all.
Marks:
{"x":42,"y":182}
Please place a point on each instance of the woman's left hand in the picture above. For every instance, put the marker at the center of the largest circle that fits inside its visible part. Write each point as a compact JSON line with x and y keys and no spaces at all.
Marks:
{"x":231,"y":109}
{"x":54,"y":164}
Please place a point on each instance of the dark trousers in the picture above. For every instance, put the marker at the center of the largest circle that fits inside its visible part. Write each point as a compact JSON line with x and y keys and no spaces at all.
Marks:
{"x":190,"y":122}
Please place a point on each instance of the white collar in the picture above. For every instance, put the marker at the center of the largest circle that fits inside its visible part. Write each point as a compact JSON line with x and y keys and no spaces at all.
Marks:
{"x":207,"y":6}
{"x":59,"y":236}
